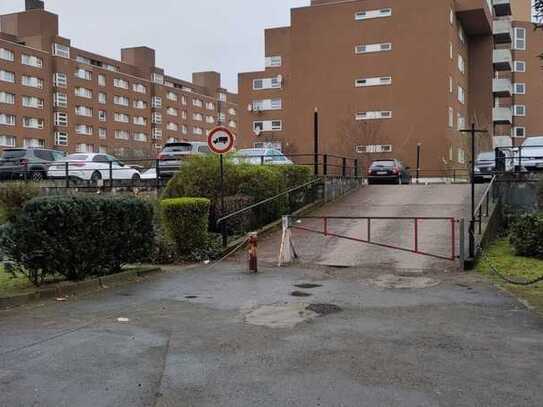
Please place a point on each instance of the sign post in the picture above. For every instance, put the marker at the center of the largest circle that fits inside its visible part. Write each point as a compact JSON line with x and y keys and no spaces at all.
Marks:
{"x":221,"y":141}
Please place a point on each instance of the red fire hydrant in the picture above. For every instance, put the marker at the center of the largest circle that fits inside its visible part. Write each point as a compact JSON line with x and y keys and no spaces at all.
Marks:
{"x":253,"y":260}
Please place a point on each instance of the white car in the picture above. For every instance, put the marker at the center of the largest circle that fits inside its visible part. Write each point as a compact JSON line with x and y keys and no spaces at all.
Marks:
{"x":259,"y":156}
{"x":93,"y":167}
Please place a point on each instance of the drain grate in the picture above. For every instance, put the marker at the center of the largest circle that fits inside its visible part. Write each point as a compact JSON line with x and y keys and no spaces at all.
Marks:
{"x":300,"y":294}
{"x":324,"y":309}
{"x":308,"y":285}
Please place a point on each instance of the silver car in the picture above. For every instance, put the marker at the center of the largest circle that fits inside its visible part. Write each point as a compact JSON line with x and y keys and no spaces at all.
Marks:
{"x":172,"y":155}
{"x":258,"y":156}
{"x":531,"y":153}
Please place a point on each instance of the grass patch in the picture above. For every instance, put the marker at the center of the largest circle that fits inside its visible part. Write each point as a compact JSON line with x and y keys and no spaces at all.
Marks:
{"x":520,"y":268}
{"x":10,"y":285}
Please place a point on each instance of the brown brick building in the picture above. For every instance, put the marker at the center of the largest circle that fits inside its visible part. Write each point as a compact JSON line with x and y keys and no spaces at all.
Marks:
{"x":58,"y":96}
{"x":385,"y":75}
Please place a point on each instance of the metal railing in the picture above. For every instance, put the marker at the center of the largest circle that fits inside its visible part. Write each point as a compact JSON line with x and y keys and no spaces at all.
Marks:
{"x":519,"y":158}
{"x":482,"y":210}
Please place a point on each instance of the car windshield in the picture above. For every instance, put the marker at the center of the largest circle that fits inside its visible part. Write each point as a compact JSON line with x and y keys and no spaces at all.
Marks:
{"x":534,"y":141}
{"x":78,"y":157}
{"x":387,"y":164}
{"x":178,"y":148}
{"x":10,"y":154}
{"x":486,"y":157}
{"x":251,"y":153}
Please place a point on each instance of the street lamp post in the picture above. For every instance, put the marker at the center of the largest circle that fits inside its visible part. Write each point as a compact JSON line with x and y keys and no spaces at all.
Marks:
{"x":418,"y":161}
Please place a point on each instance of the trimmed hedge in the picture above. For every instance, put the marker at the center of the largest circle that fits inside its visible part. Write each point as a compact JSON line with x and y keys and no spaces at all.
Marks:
{"x":185,"y":221}
{"x":527,"y":236}
{"x":78,"y":236}
{"x":13,"y":196}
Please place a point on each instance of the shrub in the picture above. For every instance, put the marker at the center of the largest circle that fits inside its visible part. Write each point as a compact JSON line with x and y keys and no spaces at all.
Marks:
{"x":295,"y":175}
{"x":79,"y":236}
{"x":185,"y":221}
{"x":527,"y":236}
{"x":13,"y":196}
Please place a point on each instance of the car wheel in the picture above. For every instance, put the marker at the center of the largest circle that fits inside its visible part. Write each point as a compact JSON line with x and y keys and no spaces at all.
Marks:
{"x":136,"y":179}
{"x":36,"y":176}
{"x":95,"y":177}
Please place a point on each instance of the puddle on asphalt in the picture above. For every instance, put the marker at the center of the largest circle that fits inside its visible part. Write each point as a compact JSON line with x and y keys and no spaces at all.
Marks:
{"x":307,"y":286}
{"x":191,"y":297}
{"x":324,"y":309}
{"x":392,"y":281}
{"x":300,"y":294}
{"x":280,"y":316}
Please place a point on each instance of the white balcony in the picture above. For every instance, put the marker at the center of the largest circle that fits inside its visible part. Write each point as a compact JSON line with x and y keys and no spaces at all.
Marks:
{"x":502,"y":59}
{"x":502,"y":115}
{"x":503,"y":31}
{"x":502,"y":8}
{"x":502,"y":88}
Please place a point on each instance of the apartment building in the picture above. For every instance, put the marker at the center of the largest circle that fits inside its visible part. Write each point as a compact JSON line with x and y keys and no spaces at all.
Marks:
{"x":384,"y":75}
{"x":57,"y":96}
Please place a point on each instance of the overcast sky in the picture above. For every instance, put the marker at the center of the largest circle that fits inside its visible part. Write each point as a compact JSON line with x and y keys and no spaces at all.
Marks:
{"x":188,"y":35}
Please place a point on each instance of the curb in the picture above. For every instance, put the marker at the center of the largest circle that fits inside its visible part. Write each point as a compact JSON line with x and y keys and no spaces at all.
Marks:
{"x":81,"y":287}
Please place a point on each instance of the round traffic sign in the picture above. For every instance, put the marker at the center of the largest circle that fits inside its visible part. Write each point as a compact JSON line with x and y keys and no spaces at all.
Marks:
{"x":220,"y":140}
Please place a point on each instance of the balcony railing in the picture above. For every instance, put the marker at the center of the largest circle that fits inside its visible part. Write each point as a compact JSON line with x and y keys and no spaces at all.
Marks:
{"x":502,"y":88}
{"x":502,"y":8}
{"x":502,"y":115}
{"x":502,"y":59}
{"x":503,"y":31}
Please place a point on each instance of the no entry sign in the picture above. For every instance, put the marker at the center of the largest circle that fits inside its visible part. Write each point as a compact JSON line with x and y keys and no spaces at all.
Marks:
{"x":220,"y":140}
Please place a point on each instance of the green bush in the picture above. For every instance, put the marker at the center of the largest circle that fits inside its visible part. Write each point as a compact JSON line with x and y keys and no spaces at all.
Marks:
{"x":527,"y":236}
{"x":13,"y":196}
{"x":295,"y":175}
{"x":78,"y":236}
{"x":185,"y":221}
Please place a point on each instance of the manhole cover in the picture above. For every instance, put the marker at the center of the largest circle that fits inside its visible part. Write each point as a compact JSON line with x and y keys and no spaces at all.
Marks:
{"x":191,"y":297}
{"x":324,"y":309}
{"x":308,"y":286}
{"x":300,"y":294}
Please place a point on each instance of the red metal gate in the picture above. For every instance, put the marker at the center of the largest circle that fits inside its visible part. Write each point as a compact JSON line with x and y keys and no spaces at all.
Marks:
{"x":296,"y":223}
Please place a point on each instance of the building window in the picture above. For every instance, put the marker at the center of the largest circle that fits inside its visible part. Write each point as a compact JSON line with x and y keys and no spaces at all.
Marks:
{"x":33,"y":102}
{"x":210,"y":119}
{"x":84,"y":148}
{"x":451,"y":51}
{"x":378,"y":81}
{"x":83,"y":129}
{"x":451,"y":85}
{"x":267,"y":125}
{"x":33,"y":143}
{"x":140,"y":137}
{"x":232,"y":124}
{"x":7,"y":119}
{"x":60,"y":99}
{"x":121,"y":118}
{"x":157,"y":102}
{"x":519,"y":88}
{"x":519,"y":132}
{"x":157,"y":78}
{"x":31,"y":60}
{"x":519,"y":110}
{"x":461,"y":66}
{"x":520,"y":38}
{"x":83,"y":111}
{"x":138,"y":87}
{"x":368,"y":14}
{"x":520,"y":66}
{"x":83,"y":74}
{"x":451,"y":16}
{"x":232,"y":111}
{"x":460,"y":121}
{"x":139,"y":104}
{"x":7,"y":141}
{"x":61,"y":138}
{"x":210,"y":106}
{"x":120,"y":83}
{"x":172,"y":111}
{"x":139,"y":121}
{"x":7,"y":76}
{"x":171,"y":96}
{"x":183,"y":100}
{"x":222,"y":97}
{"x":172,"y":126}
{"x":274,"y":62}
{"x":267,"y":104}
{"x":102,"y":98}
{"x":373,"y":115}
{"x":197,"y":117}
{"x":267,"y":83}
{"x":374,"y":149}
{"x":369,"y":48}
{"x":83,"y":93}
{"x":102,"y":115}
{"x":157,"y":118}
{"x":7,"y":98}
{"x":102,"y":133}
{"x":122,"y":135}
{"x":197,"y":102}
{"x":156,"y":134}
{"x":461,"y":36}
{"x":461,"y":96}
{"x":32,"y":82}
{"x":121,"y":100}
{"x":61,"y":50}
{"x":198,"y":130}
{"x":101,"y":80}
{"x":60,"y":80}
{"x":32,"y":123}
{"x":461,"y":156}
{"x":7,"y":55}
{"x":451,"y":117}
{"x":184,"y":129}
{"x":61,"y":119}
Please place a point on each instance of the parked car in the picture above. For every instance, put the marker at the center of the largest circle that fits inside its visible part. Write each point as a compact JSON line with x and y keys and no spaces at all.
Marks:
{"x":172,"y":155}
{"x":258,"y":156}
{"x":531,"y":153}
{"x":485,"y":164}
{"x":33,"y":163}
{"x":93,"y":167}
{"x":388,"y":171}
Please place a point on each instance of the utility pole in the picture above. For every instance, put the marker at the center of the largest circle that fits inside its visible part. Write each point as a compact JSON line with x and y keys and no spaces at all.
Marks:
{"x":418,"y":161}
{"x":316,"y":141}
{"x":473,"y":132}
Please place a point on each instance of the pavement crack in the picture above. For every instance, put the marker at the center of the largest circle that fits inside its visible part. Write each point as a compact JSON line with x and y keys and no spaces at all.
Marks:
{"x":157,"y":393}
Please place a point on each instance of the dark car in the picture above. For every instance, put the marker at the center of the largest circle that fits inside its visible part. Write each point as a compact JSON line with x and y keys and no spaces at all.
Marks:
{"x":388,"y":172}
{"x":485,"y":164}
{"x":29,"y":163}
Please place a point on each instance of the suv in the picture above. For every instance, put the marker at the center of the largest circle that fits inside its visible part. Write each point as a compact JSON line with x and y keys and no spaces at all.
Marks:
{"x":173,"y":154}
{"x":29,"y":163}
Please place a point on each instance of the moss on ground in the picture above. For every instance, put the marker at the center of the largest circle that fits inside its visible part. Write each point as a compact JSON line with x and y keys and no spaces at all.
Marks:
{"x":502,"y":256}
